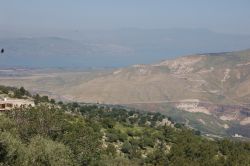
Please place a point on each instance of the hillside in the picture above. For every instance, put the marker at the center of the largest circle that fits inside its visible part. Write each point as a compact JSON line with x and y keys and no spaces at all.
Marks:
{"x":220,"y":78}
{"x":217,"y":78}
{"x":91,"y":134}
{"x":212,"y":89}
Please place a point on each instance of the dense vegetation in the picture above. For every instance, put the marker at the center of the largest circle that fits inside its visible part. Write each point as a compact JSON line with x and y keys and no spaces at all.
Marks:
{"x":77,"y":134}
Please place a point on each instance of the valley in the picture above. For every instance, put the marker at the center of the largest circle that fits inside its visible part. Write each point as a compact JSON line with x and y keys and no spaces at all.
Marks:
{"x":209,"y":92}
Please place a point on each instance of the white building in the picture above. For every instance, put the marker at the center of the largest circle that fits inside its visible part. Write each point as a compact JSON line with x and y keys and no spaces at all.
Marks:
{"x":8,"y":104}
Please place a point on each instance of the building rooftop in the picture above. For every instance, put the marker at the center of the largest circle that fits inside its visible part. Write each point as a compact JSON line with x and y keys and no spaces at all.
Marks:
{"x":10,"y":103}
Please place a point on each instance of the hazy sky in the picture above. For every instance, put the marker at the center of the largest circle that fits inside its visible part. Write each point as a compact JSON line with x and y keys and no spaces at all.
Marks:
{"x":187,"y":29}
{"x":229,"y":16}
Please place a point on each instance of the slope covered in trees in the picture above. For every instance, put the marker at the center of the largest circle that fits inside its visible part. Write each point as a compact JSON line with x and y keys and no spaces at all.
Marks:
{"x":73,"y":134}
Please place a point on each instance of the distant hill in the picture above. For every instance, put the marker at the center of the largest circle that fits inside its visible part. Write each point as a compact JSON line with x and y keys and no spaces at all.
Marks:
{"x":220,"y":79}
{"x":115,"y":48}
{"x":210,"y":92}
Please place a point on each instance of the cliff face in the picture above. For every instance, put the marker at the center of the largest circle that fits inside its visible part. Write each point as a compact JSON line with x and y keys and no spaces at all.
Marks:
{"x":229,"y":112}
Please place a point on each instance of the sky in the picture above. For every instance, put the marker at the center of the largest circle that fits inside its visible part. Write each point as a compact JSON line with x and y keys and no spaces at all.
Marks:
{"x":103,"y":31}
{"x":226,"y":16}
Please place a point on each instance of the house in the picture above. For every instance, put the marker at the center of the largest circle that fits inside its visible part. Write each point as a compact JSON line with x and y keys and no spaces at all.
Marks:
{"x":8,"y":104}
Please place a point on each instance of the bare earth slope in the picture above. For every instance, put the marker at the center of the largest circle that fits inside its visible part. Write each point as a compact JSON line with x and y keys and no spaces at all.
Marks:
{"x":218,"y":78}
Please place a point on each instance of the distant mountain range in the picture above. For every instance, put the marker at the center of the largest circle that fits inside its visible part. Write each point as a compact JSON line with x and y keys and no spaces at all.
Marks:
{"x":113,"y":48}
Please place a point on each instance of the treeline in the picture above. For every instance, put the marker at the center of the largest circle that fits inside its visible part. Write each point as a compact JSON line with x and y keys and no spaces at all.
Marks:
{"x":22,"y":93}
{"x":14,"y":92}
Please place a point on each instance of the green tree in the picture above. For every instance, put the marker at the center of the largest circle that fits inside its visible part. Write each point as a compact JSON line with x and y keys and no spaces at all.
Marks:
{"x":126,"y":147}
{"x":22,"y":91}
{"x":43,"y":151}
{"x":11,"y":150}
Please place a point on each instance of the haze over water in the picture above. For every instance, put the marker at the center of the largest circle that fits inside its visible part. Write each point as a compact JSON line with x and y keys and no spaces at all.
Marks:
{"x":111,"y":33}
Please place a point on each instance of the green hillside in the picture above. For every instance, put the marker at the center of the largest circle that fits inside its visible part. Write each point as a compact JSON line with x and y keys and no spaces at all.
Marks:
{"x":87,"y":134}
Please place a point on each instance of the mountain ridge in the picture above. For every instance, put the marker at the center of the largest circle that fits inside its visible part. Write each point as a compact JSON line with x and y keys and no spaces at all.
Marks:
{"x":116,"y":47}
